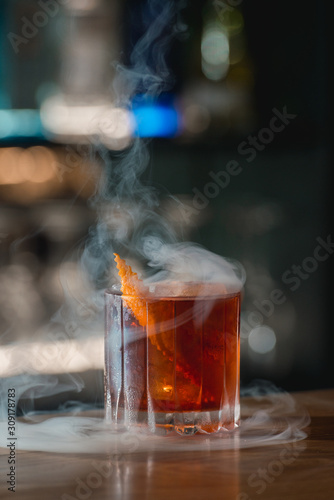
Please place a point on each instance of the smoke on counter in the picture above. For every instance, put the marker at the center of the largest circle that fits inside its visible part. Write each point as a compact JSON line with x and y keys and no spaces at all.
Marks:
{"x":269,"y":416}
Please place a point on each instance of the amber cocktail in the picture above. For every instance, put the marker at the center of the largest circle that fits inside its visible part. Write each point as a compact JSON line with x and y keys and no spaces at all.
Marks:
{"x":172,"y":358}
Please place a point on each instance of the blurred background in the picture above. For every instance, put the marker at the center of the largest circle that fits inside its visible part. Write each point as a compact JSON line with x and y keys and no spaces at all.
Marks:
{"x":240,"y":149}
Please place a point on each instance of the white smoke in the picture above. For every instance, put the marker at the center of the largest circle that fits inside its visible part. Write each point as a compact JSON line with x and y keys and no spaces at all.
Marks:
{"x":127,"y":210}
{"x":269,"y":416}
{"x":184,"y":262}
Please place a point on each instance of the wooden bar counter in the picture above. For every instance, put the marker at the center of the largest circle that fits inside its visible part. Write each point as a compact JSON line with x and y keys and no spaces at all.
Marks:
{"x":303,"y":470}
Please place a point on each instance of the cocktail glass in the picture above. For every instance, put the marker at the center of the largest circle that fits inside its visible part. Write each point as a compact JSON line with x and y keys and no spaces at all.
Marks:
{"x":180,"y":371}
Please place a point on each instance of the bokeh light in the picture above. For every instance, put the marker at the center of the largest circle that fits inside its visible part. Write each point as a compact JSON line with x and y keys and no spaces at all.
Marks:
{"x":215,"y":49}
{"x":262,"y":339}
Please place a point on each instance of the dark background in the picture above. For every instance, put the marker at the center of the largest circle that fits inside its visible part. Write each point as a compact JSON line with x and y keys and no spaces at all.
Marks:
{"x":269,"y":216}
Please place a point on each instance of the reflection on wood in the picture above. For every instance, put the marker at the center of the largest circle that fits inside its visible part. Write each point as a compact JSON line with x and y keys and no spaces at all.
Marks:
{"x":301,"y":470}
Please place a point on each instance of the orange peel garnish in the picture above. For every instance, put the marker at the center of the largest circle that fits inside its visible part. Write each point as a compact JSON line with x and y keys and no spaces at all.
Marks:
{"x":133,"y":289}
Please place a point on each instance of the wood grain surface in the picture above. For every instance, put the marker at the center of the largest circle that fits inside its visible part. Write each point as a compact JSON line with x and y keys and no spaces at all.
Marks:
{"x":303,"y":470}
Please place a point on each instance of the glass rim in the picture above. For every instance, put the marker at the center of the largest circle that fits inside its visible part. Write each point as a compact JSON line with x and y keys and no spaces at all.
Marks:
{"x":202,"y":289}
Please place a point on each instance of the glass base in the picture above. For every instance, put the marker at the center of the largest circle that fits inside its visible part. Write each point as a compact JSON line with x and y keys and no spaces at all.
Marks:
{"x":177,"y":371}
{"x":183,"y":423}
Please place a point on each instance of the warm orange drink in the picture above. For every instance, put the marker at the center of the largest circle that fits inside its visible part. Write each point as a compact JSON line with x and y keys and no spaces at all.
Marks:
{"x":174,"y":365}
